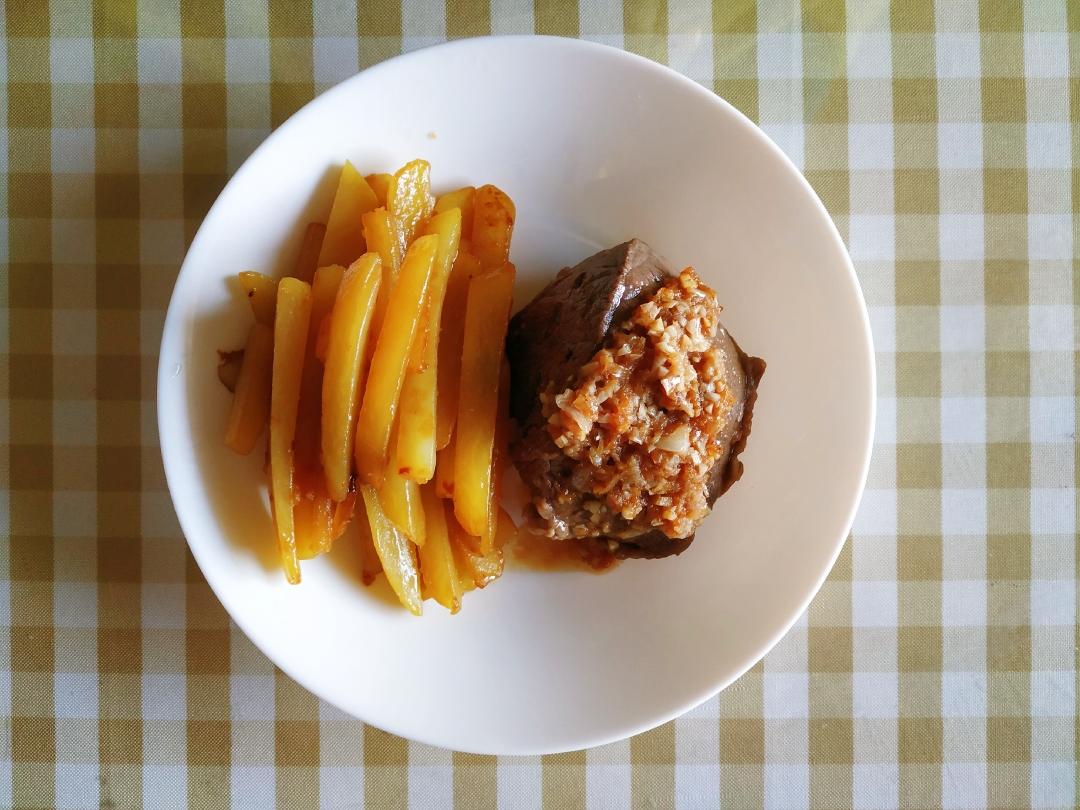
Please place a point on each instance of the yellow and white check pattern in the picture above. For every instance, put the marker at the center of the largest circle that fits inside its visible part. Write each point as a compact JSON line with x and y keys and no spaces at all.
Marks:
{"x":938,"y":665}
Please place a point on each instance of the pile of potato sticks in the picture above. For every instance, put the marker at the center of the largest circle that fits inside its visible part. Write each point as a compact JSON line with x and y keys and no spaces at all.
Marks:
{"x":379,"y":366}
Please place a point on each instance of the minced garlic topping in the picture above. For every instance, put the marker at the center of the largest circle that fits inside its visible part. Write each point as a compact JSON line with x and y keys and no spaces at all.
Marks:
{"x":643,"y":416}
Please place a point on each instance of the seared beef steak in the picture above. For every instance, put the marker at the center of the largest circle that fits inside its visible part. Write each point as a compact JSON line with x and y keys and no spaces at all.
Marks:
{"x":549,"y":343}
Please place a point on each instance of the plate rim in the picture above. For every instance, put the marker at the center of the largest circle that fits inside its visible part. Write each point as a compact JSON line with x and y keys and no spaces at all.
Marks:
{"x":172,"y":333}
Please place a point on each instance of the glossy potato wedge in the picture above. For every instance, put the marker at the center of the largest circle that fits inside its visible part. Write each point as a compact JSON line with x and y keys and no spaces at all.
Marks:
{"x":343,"y":376}
{"x":378,"y":411}
{"x":465,"y":574}
{"x":438,"y":570}
{"x":343,"y":513}
{"x":444,"y":471}
{"x":381,"y":235}
{"x":493,"y":226}
{"x":324,"y":289}
{"x":501,"y":452}
{"x":401,"y":503}
{"x":481,"y":568}
{"x":370,"y":564}
{"x":409,"y":200}
{"x":380,"y":184}
{"x":261,"y":292}
{"x":486,"y":317}
{"x":314,"y":522}
{"x":446,"y":226}
{"x":251,"y":399}
{"x":396,"y":553}
{"x":417,"y":415}
{"x":307,"y":260}
{"x":380,"y":383}
{"x":344,"y":240}
{"x":451,"y":332}
{"x":462,"y":199}
{"x":290,"y":332}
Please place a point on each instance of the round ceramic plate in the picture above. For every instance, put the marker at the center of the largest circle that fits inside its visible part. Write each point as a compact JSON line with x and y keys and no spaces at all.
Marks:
{"x":595,"y":146}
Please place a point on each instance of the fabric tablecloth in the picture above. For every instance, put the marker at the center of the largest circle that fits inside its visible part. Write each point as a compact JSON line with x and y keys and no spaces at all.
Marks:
{"x":937,"y":667}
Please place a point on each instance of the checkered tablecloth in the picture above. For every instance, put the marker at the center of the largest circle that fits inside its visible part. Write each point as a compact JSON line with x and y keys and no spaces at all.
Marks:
{"x":938,"y":665}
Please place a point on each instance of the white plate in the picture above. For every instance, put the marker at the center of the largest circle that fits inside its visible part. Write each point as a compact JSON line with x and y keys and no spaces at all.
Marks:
{"x":595,"y":146}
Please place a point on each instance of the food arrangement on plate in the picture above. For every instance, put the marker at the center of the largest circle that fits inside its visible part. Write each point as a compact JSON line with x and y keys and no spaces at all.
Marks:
{"x":395,"y":387}
{"x":586,"y":650}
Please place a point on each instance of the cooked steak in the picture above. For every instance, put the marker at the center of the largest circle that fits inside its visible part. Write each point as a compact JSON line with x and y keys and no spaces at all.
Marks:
{"x":606,"y":335}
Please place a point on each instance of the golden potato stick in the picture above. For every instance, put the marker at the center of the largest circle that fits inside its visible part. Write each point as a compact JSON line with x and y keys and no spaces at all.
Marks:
{"x":408,"y":198}
{"x":380,"y":232}
{"x":302,"y":519}
{"x":462,"y":199}
{"x":380,"y":184}
{"x":310,"y":249}
{"x":466,"y":577}
{"x":261,"y":292}
{"x":487,"y":538}
{"x":482,"y":568}
{"x":437,"y":568}
{"x":290,"y":338}
{"x":344,"y":240}
{"x":502,"y":437}
{"x":323,"y":507}
{"x":416,"y":352}
{"x":493,"y":226}
{"x":451,"y":331}
{"x":395,"y":552}
{"x":444,"y":471}
{"x":400,"y":500}
{"x":251,"y":401}
{"x":416,"y":437}
{"x":324,"y":289}
{"x":486,"y":316}
{"x":387,"y":374}
{"x":491,"y":528}
{"x":446,"y":226}
{"x":313,"y":516}
{"x":343,"y":512}
{"x":346,"y":350}
{"x":323,"y":306}
{"x":314,"y":525}
{"x":370,"y":564}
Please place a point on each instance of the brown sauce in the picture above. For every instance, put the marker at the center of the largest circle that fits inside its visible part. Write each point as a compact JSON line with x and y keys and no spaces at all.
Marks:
{"x":538,"y":553}
{"x":523,"y":549}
